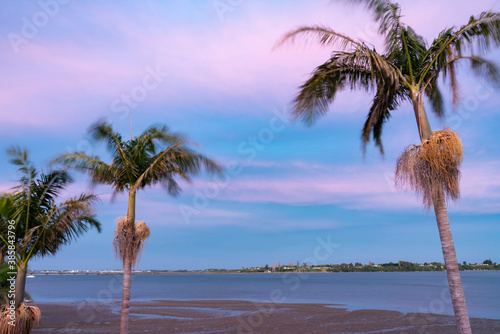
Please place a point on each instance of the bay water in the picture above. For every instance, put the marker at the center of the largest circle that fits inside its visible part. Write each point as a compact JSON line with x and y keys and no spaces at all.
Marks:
{"x":425,"y":292}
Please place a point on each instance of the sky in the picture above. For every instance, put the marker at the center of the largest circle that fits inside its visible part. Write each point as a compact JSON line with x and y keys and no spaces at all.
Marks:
{"x":210,"y":70}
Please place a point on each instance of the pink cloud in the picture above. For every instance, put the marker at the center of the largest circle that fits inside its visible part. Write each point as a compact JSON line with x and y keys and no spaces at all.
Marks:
{"x":219,"y":59}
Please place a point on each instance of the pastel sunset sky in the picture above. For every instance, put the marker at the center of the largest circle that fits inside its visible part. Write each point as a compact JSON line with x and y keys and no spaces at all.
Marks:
{"x":209,"y":69}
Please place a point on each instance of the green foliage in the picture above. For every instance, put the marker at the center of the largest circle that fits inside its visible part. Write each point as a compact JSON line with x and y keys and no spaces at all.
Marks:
{"x":157,"y":156}
{"x":35,"y":223}
{"x":4,"y":284}
{"x":41,"y":224}
{"x":408,"y":68}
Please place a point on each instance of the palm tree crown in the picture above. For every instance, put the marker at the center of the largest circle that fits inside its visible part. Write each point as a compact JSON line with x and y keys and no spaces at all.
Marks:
{"x":154,"y":157}
{"x":408,"y":69}
{"x":41,"y":223}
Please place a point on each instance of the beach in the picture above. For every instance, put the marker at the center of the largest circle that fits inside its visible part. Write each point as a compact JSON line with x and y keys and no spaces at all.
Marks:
{"x":219,"y":316}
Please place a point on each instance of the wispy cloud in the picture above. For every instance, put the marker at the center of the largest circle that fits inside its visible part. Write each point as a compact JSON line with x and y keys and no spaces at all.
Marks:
{"x":358,"y":187}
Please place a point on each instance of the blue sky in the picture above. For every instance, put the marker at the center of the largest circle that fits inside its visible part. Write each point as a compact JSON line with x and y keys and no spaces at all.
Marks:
{"x":208,"y":69}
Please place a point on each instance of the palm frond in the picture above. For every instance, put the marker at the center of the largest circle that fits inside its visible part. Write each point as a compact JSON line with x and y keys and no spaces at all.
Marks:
{"x":161,"y":135}
{"x":19,"y":157}
{"x":6,"y":206}
{"x":343,"y":70}
{"x":76,"y":216}
{"x":98,"y":171}
{"x":388,"y":16}
{"x":482,"y":67}
{"x":103,"y":131}
{"x":324,"y":35}
{"x":477,"y":35}
{"x":404,"y":48}
{"x":386,"y":100}
{"x":434,"y":95}
{"x":363,"y":68}
{"x":383,"y":10}
{"x":65,"y":223}
{"x":4,"y":283}
{"x":177,"y":160}
{"x":49,"y":186}
{"x":449,"y":69}
{"x":407,"y":51}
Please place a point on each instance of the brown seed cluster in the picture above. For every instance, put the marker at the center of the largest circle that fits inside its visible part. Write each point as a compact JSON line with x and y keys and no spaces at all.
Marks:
{"x":432,"y":167}
{"x":26,"y":317}
{"x":129,"y":239}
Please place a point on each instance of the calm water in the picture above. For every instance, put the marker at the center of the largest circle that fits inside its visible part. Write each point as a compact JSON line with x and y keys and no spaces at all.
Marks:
{"x":405,"y":292}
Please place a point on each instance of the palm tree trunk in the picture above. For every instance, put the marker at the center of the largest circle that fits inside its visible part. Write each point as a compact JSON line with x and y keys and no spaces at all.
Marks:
{"x":127,"y":271}
{"x":22,"y":270}
{"x":443,"y":223}
{"x":424,"y":128}
{"x":450,"y":260}
{"x":127,"y":277}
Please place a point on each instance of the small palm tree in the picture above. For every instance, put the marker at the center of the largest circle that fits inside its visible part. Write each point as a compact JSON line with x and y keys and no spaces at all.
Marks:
{"x":41,"y":225}
{"x":157,"y":156}
{"x":407,"y":71}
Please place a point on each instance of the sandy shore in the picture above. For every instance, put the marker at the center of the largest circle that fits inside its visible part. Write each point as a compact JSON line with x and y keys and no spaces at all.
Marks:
{"x":243,"y":317}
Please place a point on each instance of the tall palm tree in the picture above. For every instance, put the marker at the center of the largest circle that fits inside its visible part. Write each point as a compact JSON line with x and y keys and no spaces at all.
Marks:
{"x":157,"y":156}
{"x":406,"y":71}
{"x":41,"y":224}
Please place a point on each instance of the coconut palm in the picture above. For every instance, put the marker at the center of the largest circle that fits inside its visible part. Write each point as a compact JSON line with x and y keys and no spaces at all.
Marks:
{"x":41,"y":224}
{"x":157,"y":156}
{"x":406,"y":71}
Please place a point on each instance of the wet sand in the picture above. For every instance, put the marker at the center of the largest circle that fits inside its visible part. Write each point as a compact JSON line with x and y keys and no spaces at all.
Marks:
{"x":243,"y":317}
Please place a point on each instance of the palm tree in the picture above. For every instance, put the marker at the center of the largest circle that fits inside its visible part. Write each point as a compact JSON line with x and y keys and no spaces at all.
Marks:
{"x":407,"y":71}
{"x":41,"y":225}
{"x":157,"y":156}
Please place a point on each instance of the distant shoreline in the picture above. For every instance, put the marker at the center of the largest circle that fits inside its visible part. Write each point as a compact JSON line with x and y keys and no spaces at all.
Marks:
{"x":96,"y":273}
{"x":400,"y":266}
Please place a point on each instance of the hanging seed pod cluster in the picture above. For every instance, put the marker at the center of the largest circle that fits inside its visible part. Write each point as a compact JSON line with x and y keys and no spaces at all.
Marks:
{"x":26,"y":317}
{"x":432,"y":167}
{"x":129,"y":239}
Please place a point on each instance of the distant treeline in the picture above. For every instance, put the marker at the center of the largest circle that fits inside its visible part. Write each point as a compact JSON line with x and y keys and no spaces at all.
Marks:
{"x":383,"y":267}
{"x":335,"y":268}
